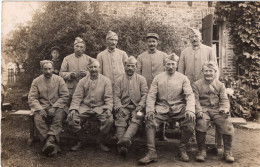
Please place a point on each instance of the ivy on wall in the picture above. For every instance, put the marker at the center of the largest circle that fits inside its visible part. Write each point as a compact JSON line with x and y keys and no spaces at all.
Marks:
{"x":244,"y":23}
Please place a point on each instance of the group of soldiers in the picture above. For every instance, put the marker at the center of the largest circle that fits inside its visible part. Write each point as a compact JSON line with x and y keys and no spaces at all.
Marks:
{"x":122,"y":91}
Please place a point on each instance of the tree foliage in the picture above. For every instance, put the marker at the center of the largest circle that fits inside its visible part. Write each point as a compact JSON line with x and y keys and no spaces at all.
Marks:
{"x":60,"y":22}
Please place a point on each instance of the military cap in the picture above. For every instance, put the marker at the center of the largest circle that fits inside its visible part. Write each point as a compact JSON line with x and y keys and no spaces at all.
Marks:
{"x":91,"y":61}
{"x":172,"y":57}
{"x":79,"y":40}
{"x":152,"y":35}
{"x":210,"y":64}
{"x":110,"y":34}
{"x":131,"y":59}
{"x":194,"y":31}
{"x":55,"y":48}
{"x":45,"y":62}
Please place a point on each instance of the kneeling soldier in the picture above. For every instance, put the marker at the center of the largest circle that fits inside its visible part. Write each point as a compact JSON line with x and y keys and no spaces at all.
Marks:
{"x":48,"y":99}
{"x":170,"y":98}
{"x":212,"y":104}
{"x":130,"y":92}
{"x":92,"y":98}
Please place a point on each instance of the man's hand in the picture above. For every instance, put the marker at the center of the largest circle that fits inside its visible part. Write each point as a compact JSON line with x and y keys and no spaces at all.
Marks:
{"x":149,"y":115}
{"x":190,"y":115}
{"x":43,"y":113}
{"x":72,"y":75}
{"x":199,"y":114}
{"x":83,"y":74}
{"x":121,"y":112}
{"x":52,"y":111}
{"x":71,"y":114}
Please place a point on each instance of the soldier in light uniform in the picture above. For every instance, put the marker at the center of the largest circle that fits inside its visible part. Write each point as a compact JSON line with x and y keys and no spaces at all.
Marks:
{"x":212,"y":104}
{"x":130,"y":92}
{"x":93,"y":97}
{"x":74,"y":66}
{"x":48,"y":99}
{"x":170,"y":98}
{"x":193,"y":57}
{"x":151,"y":62}
{"x":112,"y":59}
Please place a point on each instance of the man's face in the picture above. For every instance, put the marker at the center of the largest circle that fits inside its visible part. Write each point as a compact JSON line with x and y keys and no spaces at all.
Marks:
{"x":47,"y":70}
{"x":209,"y":73}
{"x":195,"y":39}
{"x":55,"y":54}
{"x":79,"y":49}
{"x":152,"y":44}
{"x":93,"y":69}
{"x":112,"y":42}
{"x":170,"y":66}
{"x":130,"y":68}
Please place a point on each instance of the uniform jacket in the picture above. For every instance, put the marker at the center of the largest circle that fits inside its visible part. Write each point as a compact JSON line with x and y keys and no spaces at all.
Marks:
{"x":191,"y":61}
{"x":212,"y":96}
{"x":173,"y":92}
{"x":46,"y":92}
{"x":93,"y":95}
{"x":71,"y":63}
{"x":149,"y":65}
{"x":112,"y":63}
{"x":130,"y":90}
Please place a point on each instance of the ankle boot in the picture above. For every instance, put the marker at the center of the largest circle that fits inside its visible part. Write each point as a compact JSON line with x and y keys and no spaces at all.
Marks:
{"x":80,"y":141}
{"x":131,"y":131}
{"x":227,"y":140}
{"x":183,"y":154}
{"x":151,"y":156}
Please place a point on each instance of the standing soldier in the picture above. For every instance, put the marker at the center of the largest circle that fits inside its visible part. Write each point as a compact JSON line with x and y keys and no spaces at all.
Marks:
{"x":212,"y":104}
{"x":93,"y":97}
{"x":193,"y":57}
{"x":112,"y":59}
{"x":74,"y":66}
{"x":170,"y":98}
{"x":130,"y":93}
{"x":48,"y":99}
{"x":151,"y":62}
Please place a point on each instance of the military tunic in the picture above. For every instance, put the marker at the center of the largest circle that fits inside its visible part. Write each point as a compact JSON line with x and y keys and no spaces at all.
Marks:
{"x":211,"y":99}
{"x":112,"y":63}
{"x":129,"y":91}
{"x":45,"y":94}
{"x":191,"y":61}
{"x":72,"y":63}
{"x":93,"y":98}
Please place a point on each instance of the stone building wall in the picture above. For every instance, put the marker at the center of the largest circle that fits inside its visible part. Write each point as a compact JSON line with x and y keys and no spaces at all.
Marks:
{"x":179,"y":15}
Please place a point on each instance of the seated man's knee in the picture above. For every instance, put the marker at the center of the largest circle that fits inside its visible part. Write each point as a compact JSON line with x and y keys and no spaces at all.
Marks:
{"x":202,"y":125}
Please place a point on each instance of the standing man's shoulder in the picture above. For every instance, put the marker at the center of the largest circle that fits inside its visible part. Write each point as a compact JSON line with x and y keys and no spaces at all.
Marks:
{"x":102,"y":53}
{"x":38,"y":79}
{"x":161,"y":53}
{"x":68,"y":57}
{"x":120,"y":51}
{"x":186,"y":50}
{"x":206,"y":47}
{"x":142,"y":54}
{"x":140,"y":76}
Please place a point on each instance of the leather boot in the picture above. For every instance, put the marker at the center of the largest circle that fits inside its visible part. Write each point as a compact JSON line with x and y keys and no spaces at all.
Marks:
{"x":122,"y":151}
{"x":151,"y":156}
{"x":80,"y":142}
{"x":185,"y":137}
{"x":227,"y":140}
{"x":131,"y":131}
{"x":201,"y":142}
{"x":101,"y":143}
{"x":49,"y":146}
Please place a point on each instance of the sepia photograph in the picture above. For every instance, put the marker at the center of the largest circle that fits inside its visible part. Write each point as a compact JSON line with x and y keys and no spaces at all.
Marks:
{"x":130,"y":83}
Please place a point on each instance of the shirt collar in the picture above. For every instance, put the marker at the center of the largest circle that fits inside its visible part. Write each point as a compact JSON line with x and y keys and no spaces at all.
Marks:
{"x":129,"y":77}
{"x":111,"y":51}
{"x":196,"y":47}
{"x":152,"y":52}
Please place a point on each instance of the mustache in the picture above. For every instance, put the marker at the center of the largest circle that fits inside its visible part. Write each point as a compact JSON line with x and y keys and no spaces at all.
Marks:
{"x":208,"y":75}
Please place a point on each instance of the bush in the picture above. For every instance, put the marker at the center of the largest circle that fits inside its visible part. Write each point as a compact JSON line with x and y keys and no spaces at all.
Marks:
{"x":60,"y":22}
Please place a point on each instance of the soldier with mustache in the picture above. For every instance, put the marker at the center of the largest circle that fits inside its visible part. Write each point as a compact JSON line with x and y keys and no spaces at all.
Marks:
{"x":170,"y":98}
{"x":74,"y":66}
{"x":112,"y":59}
{"x":193,"y":57}
{"x":151,"y":62}
{"x":212,"y":104}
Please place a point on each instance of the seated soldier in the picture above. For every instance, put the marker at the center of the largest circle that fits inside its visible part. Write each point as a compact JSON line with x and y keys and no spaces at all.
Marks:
{"x":93,"y":97}
{"x":170,"y":98}
{"x":48,"y":99}
{"x":212,"y":104}
{"x":130,"y":92}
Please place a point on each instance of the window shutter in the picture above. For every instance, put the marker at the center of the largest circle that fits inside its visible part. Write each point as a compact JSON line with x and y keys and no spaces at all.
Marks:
{"x":207,"y":30}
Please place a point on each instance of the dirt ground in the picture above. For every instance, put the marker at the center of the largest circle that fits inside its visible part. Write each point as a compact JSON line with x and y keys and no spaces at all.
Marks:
{"x":16,"y":152}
